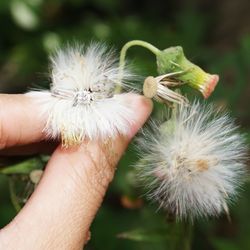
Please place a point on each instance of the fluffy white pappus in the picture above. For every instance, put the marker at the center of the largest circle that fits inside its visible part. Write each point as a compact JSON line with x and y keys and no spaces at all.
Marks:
{"x":82,"y":102}
{"x":193,"y":165}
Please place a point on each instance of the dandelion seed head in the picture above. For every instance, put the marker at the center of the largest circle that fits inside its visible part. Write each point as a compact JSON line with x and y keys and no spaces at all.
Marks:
{"x":82,"y":103}
{"x":89,"y":69}
{"x":193,"y":165}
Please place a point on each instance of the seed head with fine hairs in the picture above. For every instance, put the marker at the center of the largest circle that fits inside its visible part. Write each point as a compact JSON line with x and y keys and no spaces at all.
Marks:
{"x":193,"y":164}
{"x":82,"y":103}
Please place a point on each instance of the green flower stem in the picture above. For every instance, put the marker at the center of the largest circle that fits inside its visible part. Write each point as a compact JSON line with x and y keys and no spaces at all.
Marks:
{"x":140,"y":43}
{"x":181,"y":236}
{"x":123,"y":53}
{"x":187,"y":236}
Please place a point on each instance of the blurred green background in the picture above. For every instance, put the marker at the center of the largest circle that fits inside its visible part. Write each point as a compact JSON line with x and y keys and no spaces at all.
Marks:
{"x":214,"y":35}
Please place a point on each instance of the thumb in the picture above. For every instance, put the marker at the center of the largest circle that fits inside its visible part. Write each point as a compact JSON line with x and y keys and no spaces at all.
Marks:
{"x":60,"y":211}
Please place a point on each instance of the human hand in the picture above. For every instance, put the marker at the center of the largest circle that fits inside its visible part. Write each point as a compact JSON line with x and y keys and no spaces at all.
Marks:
{"x":61,"y":209}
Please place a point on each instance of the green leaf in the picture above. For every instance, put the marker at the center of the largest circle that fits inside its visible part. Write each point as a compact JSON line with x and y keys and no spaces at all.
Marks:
{"x":176,"y":236}
{"x":24,"y":167}
{"x":157,"y":235}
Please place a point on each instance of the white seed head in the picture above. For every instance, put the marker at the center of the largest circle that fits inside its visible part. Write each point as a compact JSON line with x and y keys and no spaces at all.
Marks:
{"x":193,"y":164}
{"x":82,"y":102}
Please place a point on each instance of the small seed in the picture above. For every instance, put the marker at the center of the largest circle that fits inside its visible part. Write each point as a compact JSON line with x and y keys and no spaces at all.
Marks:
{"x":202,"y":165}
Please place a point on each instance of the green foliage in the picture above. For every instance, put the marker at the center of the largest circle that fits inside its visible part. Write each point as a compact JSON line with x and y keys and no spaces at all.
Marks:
{"x":23,"y":167}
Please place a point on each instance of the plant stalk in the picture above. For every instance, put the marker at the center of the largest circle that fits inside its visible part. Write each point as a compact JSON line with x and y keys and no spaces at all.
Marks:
{"x":123,"y":54}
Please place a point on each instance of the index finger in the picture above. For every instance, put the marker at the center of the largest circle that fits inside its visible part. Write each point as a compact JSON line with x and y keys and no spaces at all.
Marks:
{"x":20,"y":122}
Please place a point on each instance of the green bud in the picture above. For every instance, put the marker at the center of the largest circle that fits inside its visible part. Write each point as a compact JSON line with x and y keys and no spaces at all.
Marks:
{"x":173,"y":60}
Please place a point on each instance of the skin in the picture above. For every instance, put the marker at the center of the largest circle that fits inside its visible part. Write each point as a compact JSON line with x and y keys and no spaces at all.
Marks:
{"x":59,"y":213}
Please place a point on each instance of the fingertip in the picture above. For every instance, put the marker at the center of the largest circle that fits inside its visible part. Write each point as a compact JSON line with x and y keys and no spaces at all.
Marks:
{"x":19,"y":122}
{"x":143,"y":107}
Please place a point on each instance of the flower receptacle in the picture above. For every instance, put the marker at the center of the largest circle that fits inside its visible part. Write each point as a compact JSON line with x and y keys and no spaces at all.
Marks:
{"x":173,"y":60}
